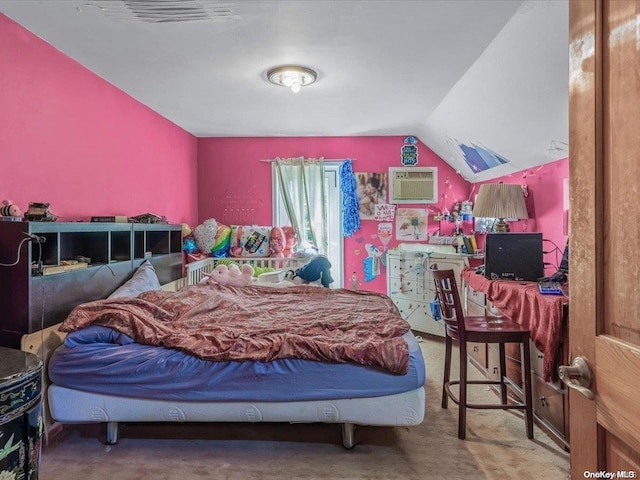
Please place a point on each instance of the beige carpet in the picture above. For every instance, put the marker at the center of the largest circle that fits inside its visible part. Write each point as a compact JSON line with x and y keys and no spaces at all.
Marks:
{"x":496,"y":448}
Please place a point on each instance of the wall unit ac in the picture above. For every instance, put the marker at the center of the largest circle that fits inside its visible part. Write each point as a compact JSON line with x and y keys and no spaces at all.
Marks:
{"x":413,"y":185}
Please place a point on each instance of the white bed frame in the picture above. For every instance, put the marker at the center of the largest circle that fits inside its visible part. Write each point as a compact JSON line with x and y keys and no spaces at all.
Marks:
{"x":75,"y":406}
{"x":196,"y":270}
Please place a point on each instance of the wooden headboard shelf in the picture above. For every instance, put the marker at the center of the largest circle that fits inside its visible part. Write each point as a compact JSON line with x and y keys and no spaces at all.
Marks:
{"x":33,"y":302}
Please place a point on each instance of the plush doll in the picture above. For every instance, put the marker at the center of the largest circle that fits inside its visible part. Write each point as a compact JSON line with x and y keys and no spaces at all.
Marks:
{"x":220,"y":275}
{"x":317,"y":268}
{"x":290,"y":240}
{"x":8,"y":209}
{"x":240,"y":276}
{"x":276,"y":242}
{"x":231,"y":275}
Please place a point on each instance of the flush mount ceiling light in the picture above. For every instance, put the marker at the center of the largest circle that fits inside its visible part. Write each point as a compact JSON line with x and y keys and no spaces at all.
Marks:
{"x":292,"y":76}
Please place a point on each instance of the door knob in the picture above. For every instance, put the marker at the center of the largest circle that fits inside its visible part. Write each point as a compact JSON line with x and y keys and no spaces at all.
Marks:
{"x":577,"y":376}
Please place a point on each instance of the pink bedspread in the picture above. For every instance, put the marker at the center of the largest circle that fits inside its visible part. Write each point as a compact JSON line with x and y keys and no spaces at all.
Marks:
{"x":218,"y":322}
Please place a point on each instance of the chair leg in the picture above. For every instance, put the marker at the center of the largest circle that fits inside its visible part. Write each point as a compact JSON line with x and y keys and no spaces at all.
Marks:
{"x":462,"y":395}
{"x":447,"y":369}
{"x":526,"y":381}
{"x":503,"y":373}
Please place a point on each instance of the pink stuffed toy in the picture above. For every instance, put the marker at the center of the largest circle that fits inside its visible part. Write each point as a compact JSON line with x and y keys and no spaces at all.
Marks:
{"x":290,"y":240}
{"x":240,"y":276}
{"x":220,"y":275}
{"x":231,"y":275}
{"x":8,"y":209}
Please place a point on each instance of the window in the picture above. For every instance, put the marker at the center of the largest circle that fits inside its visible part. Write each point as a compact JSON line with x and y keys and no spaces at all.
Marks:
{"x":333,"y":225}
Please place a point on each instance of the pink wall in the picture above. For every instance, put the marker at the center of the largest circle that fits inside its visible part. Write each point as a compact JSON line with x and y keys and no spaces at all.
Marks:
{"x":69,"y":138}
{"x":235,"y":186}
{"x":546,"y":204}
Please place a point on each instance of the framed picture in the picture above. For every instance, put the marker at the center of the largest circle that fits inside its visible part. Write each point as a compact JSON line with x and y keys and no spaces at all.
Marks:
{"x":411,"y":224}
{"x":372,"y":190}
{"x":484,"y":224}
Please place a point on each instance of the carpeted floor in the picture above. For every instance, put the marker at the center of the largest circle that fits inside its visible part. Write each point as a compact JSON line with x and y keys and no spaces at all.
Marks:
{"x":496,"y":448}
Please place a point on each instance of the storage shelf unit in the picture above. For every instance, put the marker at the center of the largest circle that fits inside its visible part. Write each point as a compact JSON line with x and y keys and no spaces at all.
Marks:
{"x":115,"y":250}
{"x":410,"y":284}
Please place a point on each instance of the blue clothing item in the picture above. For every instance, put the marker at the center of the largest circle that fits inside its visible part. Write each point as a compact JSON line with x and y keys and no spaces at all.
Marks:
{"x":318,"y":268}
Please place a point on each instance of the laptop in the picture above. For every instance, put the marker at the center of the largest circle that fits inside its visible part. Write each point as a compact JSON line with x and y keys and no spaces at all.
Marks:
{"x":514,"y":256}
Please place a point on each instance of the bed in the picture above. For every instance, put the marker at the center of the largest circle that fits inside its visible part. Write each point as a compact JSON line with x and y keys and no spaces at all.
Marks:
{"x":103,"y":373}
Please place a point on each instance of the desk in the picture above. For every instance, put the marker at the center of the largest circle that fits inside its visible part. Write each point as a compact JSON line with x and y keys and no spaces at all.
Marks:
{"x":522,"y":303}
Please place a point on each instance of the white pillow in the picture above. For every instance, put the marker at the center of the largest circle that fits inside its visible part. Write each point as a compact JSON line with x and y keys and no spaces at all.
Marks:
{"x":143,"y":280}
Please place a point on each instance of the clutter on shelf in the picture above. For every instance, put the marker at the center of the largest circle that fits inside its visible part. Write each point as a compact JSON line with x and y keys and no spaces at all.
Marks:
{"x":39,"y":212}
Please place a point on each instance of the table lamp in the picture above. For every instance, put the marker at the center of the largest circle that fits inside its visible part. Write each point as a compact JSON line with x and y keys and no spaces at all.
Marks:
{"x":500,"y":200}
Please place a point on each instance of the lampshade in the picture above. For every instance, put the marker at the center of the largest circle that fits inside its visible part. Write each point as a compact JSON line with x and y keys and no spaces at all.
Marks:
{"x":292,"y":76}
{"x":500,"y":200}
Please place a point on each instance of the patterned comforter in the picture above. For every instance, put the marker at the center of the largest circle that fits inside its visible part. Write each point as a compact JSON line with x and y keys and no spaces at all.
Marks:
{"x":217,"y":322}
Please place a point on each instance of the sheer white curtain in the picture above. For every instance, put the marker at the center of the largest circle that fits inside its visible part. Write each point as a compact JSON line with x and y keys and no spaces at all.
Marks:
{"x":303,"y":194}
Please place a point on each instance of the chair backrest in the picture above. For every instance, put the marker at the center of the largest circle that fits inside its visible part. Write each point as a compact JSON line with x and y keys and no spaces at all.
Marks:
{"x":449,"y":297}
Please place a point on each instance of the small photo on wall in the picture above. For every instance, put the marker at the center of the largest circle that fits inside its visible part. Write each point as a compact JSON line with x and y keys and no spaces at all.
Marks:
{"x":411,"y":224}
{"x":384,"y":212}
{"x":372,"y":190}
{"x":484,"y":225}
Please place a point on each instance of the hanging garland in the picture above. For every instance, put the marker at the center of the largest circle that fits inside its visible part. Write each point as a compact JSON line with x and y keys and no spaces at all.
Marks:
{"x":350,"y":202}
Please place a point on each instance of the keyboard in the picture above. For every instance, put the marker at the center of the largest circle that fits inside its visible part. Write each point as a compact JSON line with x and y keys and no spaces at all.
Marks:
{"x":550,"y":288}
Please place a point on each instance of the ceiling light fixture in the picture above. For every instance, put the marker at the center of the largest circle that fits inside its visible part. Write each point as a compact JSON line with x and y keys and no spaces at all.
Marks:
{"x":292,"y":76}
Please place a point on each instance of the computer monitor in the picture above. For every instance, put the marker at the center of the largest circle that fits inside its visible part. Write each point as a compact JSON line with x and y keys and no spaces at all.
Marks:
{"x":514,"y":256}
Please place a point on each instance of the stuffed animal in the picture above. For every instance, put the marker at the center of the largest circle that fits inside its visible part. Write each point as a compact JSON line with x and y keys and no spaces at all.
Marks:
{"x":231,"y":275}
{"x":220,"y":275}
{"x":240,"y":276}
{"x":8,"y":209}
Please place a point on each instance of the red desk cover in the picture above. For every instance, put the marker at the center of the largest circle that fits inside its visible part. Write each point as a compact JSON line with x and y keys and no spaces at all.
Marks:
{"x":522,"y":303}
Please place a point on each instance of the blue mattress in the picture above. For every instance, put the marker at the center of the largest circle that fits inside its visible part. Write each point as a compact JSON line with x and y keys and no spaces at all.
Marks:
{"x":100,"y":360}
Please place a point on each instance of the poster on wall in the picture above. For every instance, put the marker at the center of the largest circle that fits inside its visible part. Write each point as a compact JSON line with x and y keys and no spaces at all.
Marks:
{"x":411,"y":224}
{"x":480,"y":159}
{"x":409,"y":152}
{"x":384,"y":212}
{"x":372,"y":190}
{"x":385,"y":232}
{"x":371,"y":264}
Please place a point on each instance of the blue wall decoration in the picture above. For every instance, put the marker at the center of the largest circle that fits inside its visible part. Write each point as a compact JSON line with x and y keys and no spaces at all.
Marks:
{"x":480,"y":159}
{"x":350,"y":202}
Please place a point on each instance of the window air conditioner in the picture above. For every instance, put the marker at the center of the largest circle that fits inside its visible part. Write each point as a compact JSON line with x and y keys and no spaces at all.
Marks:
{"x":413,"y":185}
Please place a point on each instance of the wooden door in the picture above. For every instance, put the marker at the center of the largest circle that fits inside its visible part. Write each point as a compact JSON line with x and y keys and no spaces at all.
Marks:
{"x":604,"y":136}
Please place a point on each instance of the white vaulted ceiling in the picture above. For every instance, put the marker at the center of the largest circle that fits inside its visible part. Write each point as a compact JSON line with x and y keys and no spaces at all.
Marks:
{"x":488,"y":73}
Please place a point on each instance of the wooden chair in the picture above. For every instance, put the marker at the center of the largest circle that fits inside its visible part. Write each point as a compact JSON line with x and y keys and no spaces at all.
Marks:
{"x":484,"y":329}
